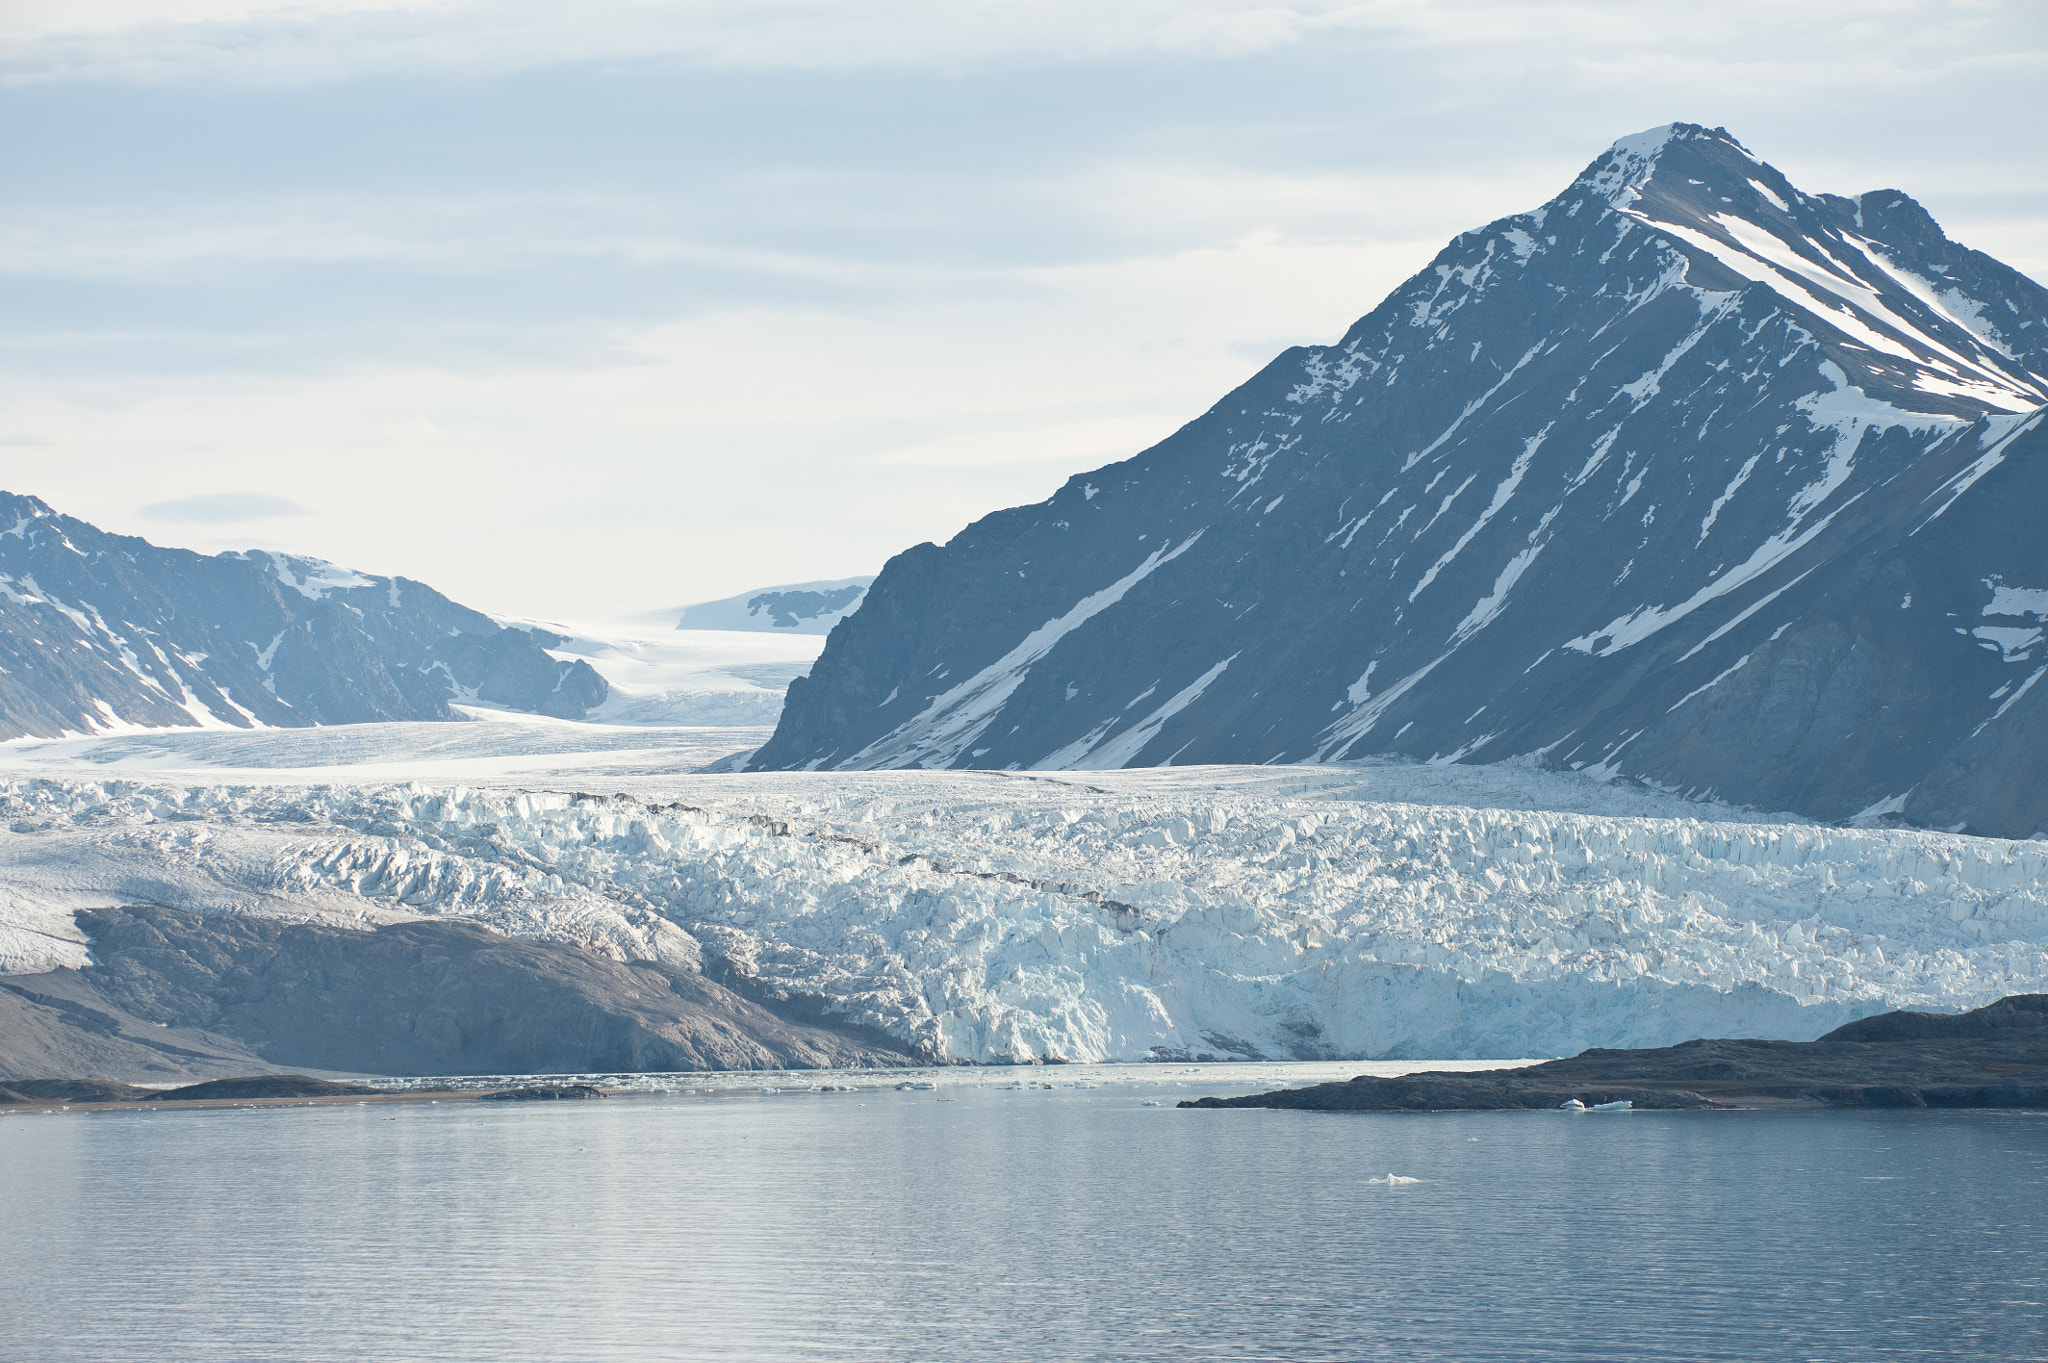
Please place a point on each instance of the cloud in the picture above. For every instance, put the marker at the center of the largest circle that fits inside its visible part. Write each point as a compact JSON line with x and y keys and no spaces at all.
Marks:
{"x":216,"y":508}
{"x":269,"y":43}
{"x":1069,"y":443}
{"x":607,"y":304}
{"x":1838,"y":42}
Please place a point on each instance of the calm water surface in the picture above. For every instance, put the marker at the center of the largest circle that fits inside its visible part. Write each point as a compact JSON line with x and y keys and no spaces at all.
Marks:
{"x":978,"y":1222}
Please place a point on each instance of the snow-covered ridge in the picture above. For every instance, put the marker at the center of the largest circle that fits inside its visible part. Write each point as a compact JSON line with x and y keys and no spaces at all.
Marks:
{"x":314,"y":578}
{"x":792,"y":608}
{"x":108,"y":634}
{"x":1002,"y":917}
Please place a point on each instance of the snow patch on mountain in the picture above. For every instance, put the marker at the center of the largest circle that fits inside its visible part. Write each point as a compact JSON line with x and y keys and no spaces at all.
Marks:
{"x":312,"y":578}
{"x":954,"y":719}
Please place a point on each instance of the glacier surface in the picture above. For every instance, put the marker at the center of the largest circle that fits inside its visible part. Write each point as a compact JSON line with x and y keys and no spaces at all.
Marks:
{"x":1386,"y":910}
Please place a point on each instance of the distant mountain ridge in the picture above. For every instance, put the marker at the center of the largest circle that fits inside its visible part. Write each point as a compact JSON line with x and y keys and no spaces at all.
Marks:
{"x":102,"y":631}
{"x":1687,"y":475}
{"x":795,"y":608}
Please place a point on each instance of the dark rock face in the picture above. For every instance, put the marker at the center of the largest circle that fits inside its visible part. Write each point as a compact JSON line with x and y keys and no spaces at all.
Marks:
{"x":1995,"y":1056}
{"x":425,"y":997}
{"x":59,"y":1024}
{"x":1686,"y":475}
{"x":787,"y":610}
{"x":98,"y":628}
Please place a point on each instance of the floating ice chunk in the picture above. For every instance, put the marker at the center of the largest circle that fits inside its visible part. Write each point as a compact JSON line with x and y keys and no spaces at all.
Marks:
{"x":1572,"y":1105}
{"x":1619,"y":1105}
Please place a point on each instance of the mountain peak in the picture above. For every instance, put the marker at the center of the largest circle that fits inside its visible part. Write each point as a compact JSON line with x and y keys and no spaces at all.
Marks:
{"x":1686,"y":474}
{"x":100,"y":630}
{"x":1622,"y":172}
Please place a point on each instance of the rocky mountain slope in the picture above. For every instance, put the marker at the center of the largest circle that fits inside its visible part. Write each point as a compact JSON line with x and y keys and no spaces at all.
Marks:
{"x":171,"y":993}
{"x":101,"y":631}
{"x":1686,"y":475}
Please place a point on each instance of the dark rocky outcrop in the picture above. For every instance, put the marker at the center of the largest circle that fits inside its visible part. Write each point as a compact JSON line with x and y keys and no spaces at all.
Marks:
{"x":235,"y":992}
{"x":98,"y":628}
{"x":544,"y":1093}
{"x":261,"y":1086}
{"x":1995,"y":1056}
{"x":72,"y":1091}
{"x":1686,"y":475}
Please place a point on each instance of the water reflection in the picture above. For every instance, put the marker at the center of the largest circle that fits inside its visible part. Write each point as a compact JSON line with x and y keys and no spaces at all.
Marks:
{"x":976,"y":1221}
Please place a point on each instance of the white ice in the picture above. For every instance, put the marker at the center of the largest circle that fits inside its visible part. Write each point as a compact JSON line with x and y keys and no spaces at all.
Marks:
{"x":664,"y":676}
{"x":1382,"y":910}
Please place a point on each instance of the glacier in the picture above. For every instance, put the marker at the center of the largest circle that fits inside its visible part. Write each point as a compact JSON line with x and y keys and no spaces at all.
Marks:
{"x":1352,"y":911}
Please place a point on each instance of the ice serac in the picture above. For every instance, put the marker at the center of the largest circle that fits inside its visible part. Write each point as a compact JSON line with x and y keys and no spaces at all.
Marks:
{"x":100,"y":632}
{"x":1248,"y":913}
{"x":1686,"y":475}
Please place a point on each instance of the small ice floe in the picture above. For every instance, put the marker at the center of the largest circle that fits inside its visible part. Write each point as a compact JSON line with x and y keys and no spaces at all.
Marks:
{"x":1572,"y":1105}
{"x":915,"y":1084}
{"x":1393,"y":1180}
{"x":1619,"y":1105}
{"x":1150,"y":1102}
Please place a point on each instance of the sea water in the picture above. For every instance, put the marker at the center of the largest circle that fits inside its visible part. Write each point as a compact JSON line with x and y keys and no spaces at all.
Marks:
{"x":1030,"y":1215}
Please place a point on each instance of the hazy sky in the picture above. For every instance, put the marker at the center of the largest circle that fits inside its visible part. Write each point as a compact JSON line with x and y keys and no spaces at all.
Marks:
{"x":575,"y":309}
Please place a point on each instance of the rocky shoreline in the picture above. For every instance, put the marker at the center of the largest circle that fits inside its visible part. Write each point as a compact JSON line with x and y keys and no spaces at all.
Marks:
{"x":257,"y":1090}
{"x":1994,"y":1056}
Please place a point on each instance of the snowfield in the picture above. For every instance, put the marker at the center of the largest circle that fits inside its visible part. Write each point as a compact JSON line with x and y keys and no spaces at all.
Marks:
{"x":1382,"y":911}
{"x":661,"y":675}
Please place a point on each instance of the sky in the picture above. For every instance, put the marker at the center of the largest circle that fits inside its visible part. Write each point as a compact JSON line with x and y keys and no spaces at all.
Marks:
{"x":573,"y":311}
